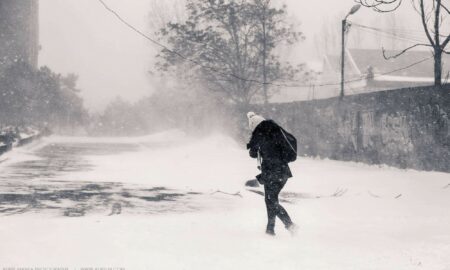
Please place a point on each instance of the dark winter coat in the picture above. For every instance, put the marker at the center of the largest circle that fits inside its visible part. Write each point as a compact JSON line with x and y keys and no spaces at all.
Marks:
{"x":266,"y":138}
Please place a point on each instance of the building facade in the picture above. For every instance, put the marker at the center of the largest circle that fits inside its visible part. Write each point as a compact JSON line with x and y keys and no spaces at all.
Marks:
{"x":19,"y":32}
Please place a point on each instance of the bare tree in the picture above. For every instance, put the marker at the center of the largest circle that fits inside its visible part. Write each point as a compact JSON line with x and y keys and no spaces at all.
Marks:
{"x":433,"y":14}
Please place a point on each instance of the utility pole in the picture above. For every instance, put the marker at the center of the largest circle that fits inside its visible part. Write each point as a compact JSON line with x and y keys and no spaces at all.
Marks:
{"x":354,"y":9}
{"x":344,"y":25}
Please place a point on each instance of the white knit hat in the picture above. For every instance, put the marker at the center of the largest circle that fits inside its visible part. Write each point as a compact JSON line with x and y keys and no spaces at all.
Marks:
{"x":254,"y":120}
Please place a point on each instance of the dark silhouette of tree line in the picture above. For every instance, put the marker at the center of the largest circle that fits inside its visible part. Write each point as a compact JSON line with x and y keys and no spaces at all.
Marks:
{"x":39,"y":97}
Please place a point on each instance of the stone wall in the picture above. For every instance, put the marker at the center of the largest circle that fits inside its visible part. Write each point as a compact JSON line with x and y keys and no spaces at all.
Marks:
{"x":407,"y":128}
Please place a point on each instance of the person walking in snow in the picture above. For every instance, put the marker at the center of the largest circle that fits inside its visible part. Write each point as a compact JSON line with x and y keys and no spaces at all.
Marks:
{"x":265,"y":145}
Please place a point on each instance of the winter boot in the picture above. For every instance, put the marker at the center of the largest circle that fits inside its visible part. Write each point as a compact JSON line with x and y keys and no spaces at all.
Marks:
{"x":293,"y":229}
{"x":270,"y":232}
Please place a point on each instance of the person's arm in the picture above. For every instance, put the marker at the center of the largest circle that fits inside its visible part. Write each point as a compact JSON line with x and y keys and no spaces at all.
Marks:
{"x":252,"y":146}
{"x":253,"y":152}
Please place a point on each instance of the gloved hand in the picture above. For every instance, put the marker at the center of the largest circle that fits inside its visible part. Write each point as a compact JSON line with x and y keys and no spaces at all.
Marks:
{"x":260,"y":179}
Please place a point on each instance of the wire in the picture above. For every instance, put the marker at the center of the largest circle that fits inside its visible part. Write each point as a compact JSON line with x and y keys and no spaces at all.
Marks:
{"x":362,"y":78}
{"x":412,"y":31}
{"x":395,"y":35}
{"x":410,"y":34}
{"x":234,"y":75}
{"x":173,"y":51}
{"x":391,"y":36}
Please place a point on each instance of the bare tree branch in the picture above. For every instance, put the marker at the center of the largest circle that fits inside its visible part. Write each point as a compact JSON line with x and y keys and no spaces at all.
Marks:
{"x":377,"y":4}
{"x":339,"y":192}
{"x":391,"y":9}
{"x":424,"y":23}
{"x":226,"y":193}
{"x":445,"y":8}
{"x":445,"y":43}
{"x":436,"y":22}
{"x":403,"y":51}
{"x":378,"y":197}
{"x":386,"y":1}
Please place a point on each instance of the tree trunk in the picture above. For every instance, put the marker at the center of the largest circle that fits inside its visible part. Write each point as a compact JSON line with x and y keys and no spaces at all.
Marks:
{"x":344,"y":23}
{"x":437,"y":66}
{"x":437,"y":46}
{"x":266,"y":98}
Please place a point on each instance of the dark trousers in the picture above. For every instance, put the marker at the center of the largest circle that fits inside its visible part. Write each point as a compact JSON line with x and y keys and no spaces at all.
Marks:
{"x":272,"y":189}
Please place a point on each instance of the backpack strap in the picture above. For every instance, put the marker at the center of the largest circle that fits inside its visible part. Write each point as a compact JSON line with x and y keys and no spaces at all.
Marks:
{"x":285,"y":137}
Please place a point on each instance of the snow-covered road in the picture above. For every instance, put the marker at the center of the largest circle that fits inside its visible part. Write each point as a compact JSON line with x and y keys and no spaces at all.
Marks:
{"x":151,"y":203}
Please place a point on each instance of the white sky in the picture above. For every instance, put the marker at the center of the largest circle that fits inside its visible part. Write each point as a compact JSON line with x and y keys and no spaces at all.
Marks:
{"x":80,"y":36}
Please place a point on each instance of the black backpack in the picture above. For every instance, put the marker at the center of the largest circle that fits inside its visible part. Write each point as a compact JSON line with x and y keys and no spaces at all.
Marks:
{"x":288,"y":146}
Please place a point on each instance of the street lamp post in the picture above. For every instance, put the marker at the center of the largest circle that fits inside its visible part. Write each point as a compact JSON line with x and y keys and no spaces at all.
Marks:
{"x":354,"y":9}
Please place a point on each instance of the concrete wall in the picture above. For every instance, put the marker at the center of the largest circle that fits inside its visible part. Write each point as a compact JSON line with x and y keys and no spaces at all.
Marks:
{"x":407,"y":128}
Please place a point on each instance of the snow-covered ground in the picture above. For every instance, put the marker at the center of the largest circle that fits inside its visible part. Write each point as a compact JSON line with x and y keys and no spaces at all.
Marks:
{"x":351,"y":216}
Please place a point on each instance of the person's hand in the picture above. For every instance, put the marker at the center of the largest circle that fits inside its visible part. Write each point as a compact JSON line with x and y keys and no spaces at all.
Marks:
{"x":260,"y":179}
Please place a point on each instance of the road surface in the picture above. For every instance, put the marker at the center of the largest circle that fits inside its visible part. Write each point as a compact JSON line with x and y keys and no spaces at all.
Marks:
{"x":167,"y":202}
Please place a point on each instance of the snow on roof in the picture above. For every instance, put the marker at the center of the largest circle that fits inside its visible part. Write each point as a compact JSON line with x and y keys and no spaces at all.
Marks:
{"x":359,"y":60}
{"x":390,"y":78}
{"x":374,"y":58}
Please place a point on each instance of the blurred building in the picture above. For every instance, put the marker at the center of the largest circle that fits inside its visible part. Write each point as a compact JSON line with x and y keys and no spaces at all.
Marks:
{"x":19,"y":32}
{"x":367,"y":70}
